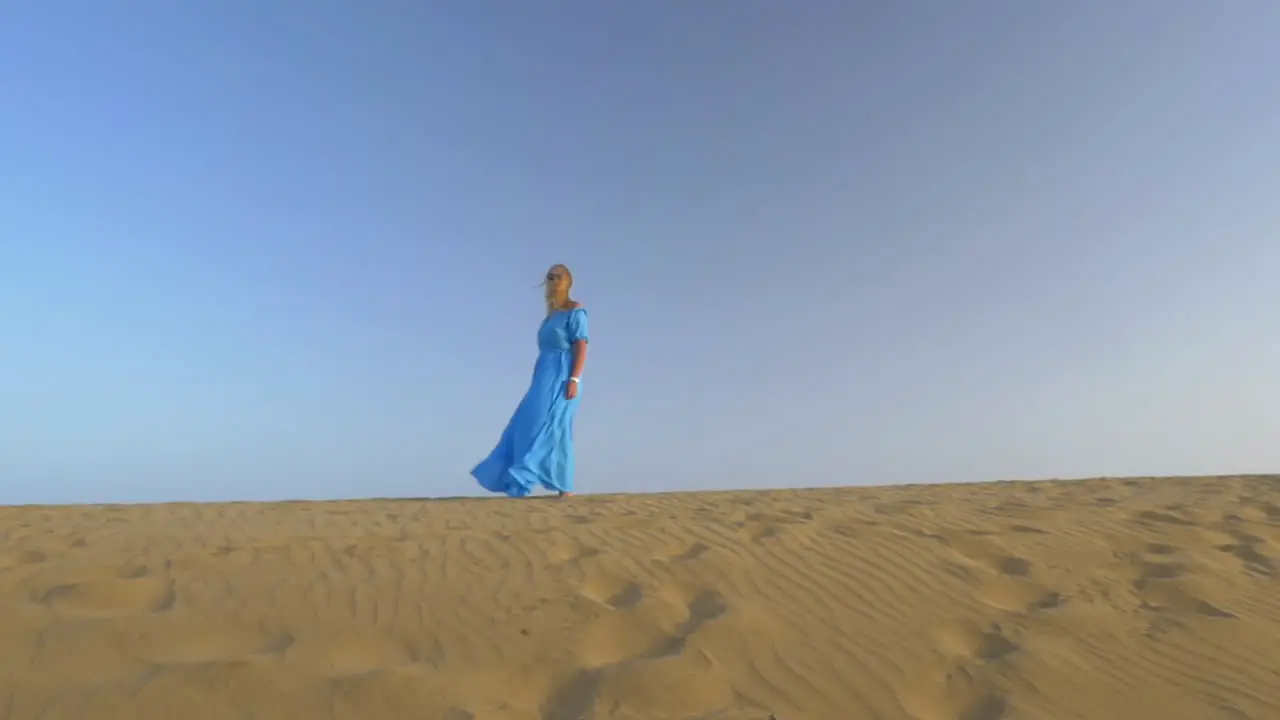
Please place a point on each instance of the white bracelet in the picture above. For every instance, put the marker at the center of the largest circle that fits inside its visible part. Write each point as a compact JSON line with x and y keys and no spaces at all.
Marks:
{"x":575,"y":380}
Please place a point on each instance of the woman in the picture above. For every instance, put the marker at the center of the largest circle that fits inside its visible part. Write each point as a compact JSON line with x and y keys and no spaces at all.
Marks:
{"x":537,"y":446}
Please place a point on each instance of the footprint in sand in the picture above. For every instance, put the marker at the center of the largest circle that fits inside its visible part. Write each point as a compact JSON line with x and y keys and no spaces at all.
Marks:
{"x":1027,"y":530}
{"x":986,"y":554}
{"x":613,"y":592}
{"x":1017,"y":595}
{"x":759,"y":526}
{"x":16,"y":558}
{"x":1006,"y":585}
{"x":637,"y":645}
{"x":617,"y":637}
{"x":692,"y":552}
{"x":951,"y":691}
{"x":1160,"y":583}
{"x":1244,"y":547}
{"x":129,"y":590}
{"x":626,"y":655}
{"x":1252,"y":509}
{"x":652,"y":630}
{"x":1170,"y":596}
{"x":1248,"y":554}
{"x":967,"y":640}
{"x":1151,"y":571}
{"x":1164,"y":518}
{"x":612,"y":588}
{"x":705,"y":607}
{"x":664,"y":687}
{"x":561,"y":550}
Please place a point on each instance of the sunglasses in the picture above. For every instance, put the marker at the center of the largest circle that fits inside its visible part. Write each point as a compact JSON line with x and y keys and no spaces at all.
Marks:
{"x":554,"y":276}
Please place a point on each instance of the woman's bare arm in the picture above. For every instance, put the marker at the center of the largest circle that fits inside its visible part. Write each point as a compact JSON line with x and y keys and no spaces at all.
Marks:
{"x":579,"y":358}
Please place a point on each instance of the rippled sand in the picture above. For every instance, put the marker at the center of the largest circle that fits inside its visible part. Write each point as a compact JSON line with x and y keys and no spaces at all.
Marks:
{"x":1094,"y":599}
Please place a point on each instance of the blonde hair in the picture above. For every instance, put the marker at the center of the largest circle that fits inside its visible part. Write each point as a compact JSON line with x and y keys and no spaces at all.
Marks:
{"x":558,"y":303}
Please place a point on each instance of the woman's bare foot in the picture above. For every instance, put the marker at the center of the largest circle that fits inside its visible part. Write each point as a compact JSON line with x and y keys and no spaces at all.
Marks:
{"x":565,"y":494}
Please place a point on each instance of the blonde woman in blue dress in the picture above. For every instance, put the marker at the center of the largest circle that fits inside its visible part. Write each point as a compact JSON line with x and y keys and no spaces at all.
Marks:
{"x":536,"y":448}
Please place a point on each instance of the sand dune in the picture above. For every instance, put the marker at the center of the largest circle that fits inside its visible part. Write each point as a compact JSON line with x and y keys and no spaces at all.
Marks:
{"x":1095,"y":599}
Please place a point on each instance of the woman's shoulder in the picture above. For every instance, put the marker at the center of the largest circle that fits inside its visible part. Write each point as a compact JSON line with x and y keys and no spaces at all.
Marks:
{"x":574,"y":305}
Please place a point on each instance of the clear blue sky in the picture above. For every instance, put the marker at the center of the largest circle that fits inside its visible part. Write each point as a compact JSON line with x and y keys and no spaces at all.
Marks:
{"x":258,"y":249}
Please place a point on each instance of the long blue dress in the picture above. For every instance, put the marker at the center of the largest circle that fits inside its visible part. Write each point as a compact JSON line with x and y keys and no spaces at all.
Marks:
{"x":536,"y":448}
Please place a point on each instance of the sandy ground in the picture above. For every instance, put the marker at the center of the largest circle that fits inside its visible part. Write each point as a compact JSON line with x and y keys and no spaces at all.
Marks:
{"x":1095,"y":599}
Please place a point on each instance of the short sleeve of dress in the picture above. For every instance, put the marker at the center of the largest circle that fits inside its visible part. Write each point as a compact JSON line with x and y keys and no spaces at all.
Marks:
{"x":577,"y":325}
